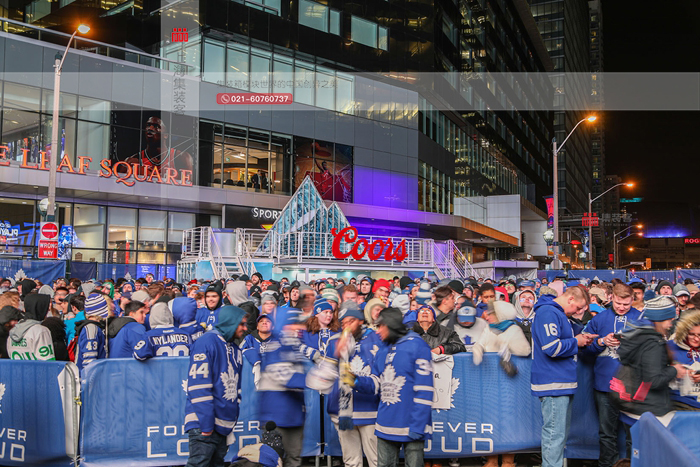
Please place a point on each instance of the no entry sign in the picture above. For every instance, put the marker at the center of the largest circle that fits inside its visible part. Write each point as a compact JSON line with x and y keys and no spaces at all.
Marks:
{"x":48,"y":240}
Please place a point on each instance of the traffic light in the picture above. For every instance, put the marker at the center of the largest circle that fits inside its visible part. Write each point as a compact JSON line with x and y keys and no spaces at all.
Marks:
{"x":647,"y":264}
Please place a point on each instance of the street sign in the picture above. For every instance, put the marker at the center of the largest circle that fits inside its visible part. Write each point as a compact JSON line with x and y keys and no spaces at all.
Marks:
{"x":48,"y":240}
{"x":631,"y":200}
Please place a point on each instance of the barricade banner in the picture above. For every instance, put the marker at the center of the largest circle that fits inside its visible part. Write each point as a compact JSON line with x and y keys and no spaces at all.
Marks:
{"x":683,"y":274}
{"x":133,"y":414}
{"x":37,"y":413}
{"x":654,"y":445}
{"x":46,"y":270}
{"x":654,"y":275}
{"x":601,"y":274}
{"x":493,"y":414}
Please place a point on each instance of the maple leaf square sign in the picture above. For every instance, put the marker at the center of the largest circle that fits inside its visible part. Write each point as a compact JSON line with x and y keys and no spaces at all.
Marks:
{"x":48,"y":240}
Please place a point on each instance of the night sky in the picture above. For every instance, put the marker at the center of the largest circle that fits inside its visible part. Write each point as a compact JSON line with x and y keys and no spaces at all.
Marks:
{"x":659,"y":151}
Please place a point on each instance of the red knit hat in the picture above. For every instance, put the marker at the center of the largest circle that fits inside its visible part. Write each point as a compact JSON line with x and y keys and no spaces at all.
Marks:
{"x":381,"y":283}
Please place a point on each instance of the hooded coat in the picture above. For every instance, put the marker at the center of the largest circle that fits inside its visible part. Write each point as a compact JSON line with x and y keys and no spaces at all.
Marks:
{"x":645,"y":350}
{"x":7,"y":313}
{"x":27,"y":286}
{"x":238,"y":296}
{"x":214,"y":378}
{"x":524,"y":322}
{"x":29,"y":340}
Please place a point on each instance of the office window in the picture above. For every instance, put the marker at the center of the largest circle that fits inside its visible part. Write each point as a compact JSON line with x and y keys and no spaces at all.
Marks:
{"x":318,"y":16}
{"x":214,"y":62}
{"x":369,"y":33}
{"x":88,"y":226}
{"x":151,"y":230}
{"x":121,"y":232}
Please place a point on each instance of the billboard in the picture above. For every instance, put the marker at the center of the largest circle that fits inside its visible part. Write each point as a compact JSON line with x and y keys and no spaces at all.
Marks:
{"x":329,"y":165}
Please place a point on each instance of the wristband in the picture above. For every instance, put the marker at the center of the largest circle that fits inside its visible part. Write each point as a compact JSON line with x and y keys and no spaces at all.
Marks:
{"x":442,"y":349}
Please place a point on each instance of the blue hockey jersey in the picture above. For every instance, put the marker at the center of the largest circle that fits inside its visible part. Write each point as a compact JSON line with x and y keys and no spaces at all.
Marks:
{"x":402,"y":375}
{"x":253,"y":347}
{"x":684,"y":356}
{"x":314,"y":345}
{"x":90,"y":345}
{"x":122,"y":345}
{"x":364,"y":406}
{"x":163,"y":342}
{"x":213,"y":384}
{"x":282,"y":382}
{"x":205,"y":319}
{"x":184,"y":314}
{"x":607,"y":361}
{"x":554,"y":351}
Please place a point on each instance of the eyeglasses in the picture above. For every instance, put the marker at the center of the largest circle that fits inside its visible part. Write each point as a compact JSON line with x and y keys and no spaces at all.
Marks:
{"x":695,"y":336}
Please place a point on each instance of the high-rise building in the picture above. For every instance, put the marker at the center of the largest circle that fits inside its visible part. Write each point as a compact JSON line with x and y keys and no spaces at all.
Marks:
{"x":564,"y":25}
{"x":371,"y":142}
{"x":598,"y":129}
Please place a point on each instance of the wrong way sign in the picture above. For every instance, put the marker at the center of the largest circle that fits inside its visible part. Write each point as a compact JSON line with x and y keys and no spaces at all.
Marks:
{"x":48,"y":240}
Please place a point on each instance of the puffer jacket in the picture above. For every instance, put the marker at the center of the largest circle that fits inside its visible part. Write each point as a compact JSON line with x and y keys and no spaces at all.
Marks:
{"x":645,"y":350}
{"x":440,"y":336}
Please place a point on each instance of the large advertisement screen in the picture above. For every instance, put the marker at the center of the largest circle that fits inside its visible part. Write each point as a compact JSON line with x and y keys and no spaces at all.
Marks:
{"x":151,"y":138}
{"x":329,"y":165}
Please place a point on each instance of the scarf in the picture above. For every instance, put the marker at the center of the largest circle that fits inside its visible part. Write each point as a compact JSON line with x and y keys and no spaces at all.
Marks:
{"x":345,"y":401}
{"x":503,"y":325}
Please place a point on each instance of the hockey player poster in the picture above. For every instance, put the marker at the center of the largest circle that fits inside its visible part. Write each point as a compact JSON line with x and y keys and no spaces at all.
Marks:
{"x":329,"y":165}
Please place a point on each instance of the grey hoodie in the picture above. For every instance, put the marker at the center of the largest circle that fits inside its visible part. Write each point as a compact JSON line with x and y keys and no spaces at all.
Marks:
{"x":29,"y":340}
{"x":520,"y":315}
{"x":237,"y":293}
{"x":161,"y":316}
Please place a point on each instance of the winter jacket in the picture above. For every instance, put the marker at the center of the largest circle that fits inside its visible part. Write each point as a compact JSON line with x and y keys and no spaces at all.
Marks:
{"x":440,"y":336}
{"x":314,"y":345}
{"x":469,"y":335}
{"x":124,"y":333}
{"x":511,"y":341}
{"x":364,"y":406}
{"x":58,"y":337}
{"x":524,"y":322}
{"x":402,"y":375}
{"x":91,"y":342}
{"x":646,"y":352}
{"x":71,"y":323}
{"x":184,"y":313}
{"x":554,"y":351}
{"x":7,"y":313}
{"x":282,"y":381}
{"x":29,"y":340}
{"x":165,"y":341}
{"x":237,"y":293}
{"x":213,"y":384}
{"x":607,"y":361}
{"x":684,"y":354}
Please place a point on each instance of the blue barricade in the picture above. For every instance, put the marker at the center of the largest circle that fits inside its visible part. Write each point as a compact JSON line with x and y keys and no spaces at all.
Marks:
{"x":43,"y":270}
{"x":496,"y":414}
{"x":654,"y":445}
{"x":602,"y":274}
{"x":35,"y":429}
{"x":654,"y":275}
{"x":133,"y":414}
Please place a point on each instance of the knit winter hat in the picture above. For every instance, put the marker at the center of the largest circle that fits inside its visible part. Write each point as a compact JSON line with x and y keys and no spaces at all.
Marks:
{"x":321,"y":305}
{"x":330,"y":294}
{"x":96,"y":305}
{"x":427,"y":307}
{"x":423,"y":295}
{"x":381,"y":283}
{"x":649,"y":295}
{"x":267,"y":297}
{"x":393,"y":319}
{"x":456,"y":285}
{"x":404,"y":282}
{"x":660,"y":308}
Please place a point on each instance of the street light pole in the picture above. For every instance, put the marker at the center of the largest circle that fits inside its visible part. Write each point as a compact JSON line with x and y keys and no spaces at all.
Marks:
{"x":55,"y":150}
{"x":616,"y":246}
{"x":590,"y":214}
{"x":555,"y":180}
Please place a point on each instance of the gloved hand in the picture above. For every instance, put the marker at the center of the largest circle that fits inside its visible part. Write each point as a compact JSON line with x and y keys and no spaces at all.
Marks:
{"x":415,"y":436}
{"x":477,"y":353}
{"x":346,"y":375}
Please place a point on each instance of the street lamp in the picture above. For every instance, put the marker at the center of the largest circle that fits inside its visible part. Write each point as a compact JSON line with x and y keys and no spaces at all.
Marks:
{"x":590,"y":213}
{"x":617,"y":242}
{"x":555,"y":198}
{"x":53,"y":160}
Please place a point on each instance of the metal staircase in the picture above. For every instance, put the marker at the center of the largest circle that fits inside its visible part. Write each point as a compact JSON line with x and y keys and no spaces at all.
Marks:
{"x":449,"y":262}
{"x":200,"y":245}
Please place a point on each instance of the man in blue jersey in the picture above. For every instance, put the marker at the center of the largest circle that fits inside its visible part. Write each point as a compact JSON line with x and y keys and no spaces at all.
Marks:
{"x":402,"y":375}
{"x":127,"y":331}
{"x":208,"y":316}
{"x":609,"y":324}
{"x":214,"y":389}
{"x":164,"y":339}
{"x":553,"y":377}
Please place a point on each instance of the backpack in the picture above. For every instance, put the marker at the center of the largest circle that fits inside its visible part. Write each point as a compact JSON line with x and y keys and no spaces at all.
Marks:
{"x":72,"y":349}
{"x":628,"y":389}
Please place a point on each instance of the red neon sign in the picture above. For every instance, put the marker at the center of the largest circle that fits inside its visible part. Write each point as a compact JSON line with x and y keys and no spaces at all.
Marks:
{"x":362,"y":247}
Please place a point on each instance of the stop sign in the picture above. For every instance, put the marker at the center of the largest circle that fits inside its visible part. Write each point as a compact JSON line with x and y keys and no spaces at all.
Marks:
{"x":49,"y":230}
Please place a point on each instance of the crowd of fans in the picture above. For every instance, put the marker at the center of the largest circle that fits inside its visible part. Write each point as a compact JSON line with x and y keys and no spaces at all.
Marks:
{"x":361,"y":337}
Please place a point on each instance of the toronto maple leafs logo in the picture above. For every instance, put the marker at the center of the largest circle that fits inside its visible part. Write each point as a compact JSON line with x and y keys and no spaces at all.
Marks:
{"x":2,"y":393}
{"x":375,"y":349}
{"x":230,"y":381}
{"x":358,"y":367}
{"x":453,"y":388}
{"x":391,"y":385}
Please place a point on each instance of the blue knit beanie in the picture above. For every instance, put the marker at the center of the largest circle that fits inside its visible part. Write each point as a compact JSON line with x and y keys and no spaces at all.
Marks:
{"x":660,"y":308}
